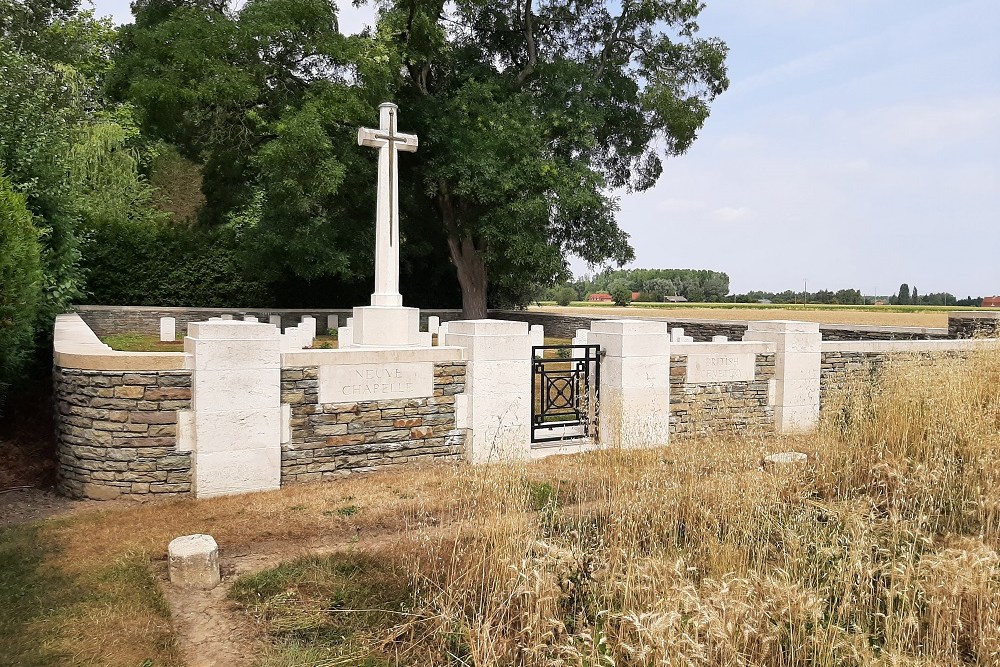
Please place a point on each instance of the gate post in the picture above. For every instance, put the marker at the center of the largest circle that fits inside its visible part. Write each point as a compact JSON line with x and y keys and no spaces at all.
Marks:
{"x":496,"y":407}
{"x":635,"y":382}
{"x":798,"y":347}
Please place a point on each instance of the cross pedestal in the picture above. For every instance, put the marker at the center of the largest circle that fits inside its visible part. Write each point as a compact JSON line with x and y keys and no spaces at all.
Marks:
{"x":386,"y":322}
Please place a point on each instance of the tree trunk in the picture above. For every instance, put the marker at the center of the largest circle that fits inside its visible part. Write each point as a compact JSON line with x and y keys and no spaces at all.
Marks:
{"x":469,"y":260}
{"x":471,"y":266}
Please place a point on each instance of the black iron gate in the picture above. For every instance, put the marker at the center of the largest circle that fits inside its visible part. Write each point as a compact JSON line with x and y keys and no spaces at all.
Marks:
{"x":565,"y":380}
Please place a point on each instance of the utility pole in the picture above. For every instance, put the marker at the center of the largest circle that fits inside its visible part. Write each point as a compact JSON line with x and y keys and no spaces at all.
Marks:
{"x":805,"y":290}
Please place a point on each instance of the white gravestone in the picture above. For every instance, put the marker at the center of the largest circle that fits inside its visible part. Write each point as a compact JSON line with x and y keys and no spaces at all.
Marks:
{"x":345,"y":338}
{"x":676,"y":334}
{"x":386,"y":322}
{"x":168,"y":329}
{"x":250,"y":318}
{"x":332,"y":323}
{"x":433,"y":324}
{"x":275,"y":320}
{"x":442,"y":333}
{"x":227,"y":316}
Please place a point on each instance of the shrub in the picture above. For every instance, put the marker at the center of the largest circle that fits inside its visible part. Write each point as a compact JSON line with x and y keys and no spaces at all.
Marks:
{"x":20,"y":283}
{"x":139,"y":263}
{"x":565,"y":295}
{"x":621,"y":294}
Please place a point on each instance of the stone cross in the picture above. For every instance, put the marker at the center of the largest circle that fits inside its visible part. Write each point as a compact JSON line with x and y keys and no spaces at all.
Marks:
{"x":388,"y":141}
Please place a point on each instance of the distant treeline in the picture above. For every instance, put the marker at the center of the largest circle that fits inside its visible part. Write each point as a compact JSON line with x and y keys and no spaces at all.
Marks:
{"x":701,"y":285}
{"x":654,"y":284}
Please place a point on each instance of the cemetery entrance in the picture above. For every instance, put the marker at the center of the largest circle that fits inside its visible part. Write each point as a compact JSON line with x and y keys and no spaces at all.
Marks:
{"x":565,"y":381}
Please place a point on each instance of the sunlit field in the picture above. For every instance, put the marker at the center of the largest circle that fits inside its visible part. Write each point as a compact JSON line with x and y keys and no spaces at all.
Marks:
{"x":899,"y":316}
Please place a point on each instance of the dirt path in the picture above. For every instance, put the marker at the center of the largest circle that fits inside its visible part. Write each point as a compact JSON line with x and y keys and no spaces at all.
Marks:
{"x":210,"y":631}
{"x":25,"y":504}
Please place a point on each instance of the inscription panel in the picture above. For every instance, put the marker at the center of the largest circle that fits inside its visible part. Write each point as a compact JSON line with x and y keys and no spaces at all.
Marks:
{"x":705,"y":368}
{"x":346,"y":383}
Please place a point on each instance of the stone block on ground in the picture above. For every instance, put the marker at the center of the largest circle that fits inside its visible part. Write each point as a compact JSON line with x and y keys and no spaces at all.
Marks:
{"x":193,"y":562}
{"x":785,"y":461}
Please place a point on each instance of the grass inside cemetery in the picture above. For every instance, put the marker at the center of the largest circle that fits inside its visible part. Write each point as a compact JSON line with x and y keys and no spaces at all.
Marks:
{"x":132,"y":342}
{"x":882,"y":551}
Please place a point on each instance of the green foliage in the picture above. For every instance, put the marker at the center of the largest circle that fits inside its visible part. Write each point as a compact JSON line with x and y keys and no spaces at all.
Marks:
{"x":20,"y":283}
{"x":903,"y":299}
{"x":694,"y":285}
{"x":145,"y":263}
{"x":620,"y":293}
{"x":565,"y":295}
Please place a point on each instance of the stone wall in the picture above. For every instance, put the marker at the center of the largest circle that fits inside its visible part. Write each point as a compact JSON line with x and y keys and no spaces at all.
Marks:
{"x":116,"y":432}
{"x":973,"y":324}
{"x":565,"y":326}
{"x":335,"y":439}
{"x":697,"y":408}
{"x":109,"y":320}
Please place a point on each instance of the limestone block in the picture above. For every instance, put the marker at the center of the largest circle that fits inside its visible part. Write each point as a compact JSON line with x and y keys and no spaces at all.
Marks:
{"x":345,"y":339}
{"x":213,"y":390}
{"x":784,"y":461}
{"x":310,"y":324}
{"x":631,"y":338}
{"x":425,"y":339}
{"x":232,"y":353}
{"x":168,"y":329}
{"x":433,"y":324}
{"x":244,"y":471}
{"x":386,"y":326}
{"x":537,"y":334}
{"x":193,"y":562}
{"x":349,"y":322}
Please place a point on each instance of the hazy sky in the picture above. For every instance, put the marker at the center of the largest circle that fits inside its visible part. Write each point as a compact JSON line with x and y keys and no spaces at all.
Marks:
{"x":856,"y":147}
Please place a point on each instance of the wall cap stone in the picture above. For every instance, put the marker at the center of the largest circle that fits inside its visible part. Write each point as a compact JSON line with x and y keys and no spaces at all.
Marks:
{"x":75,"y":345}
{"x":886,"y":346}
{"x":387,"y":355}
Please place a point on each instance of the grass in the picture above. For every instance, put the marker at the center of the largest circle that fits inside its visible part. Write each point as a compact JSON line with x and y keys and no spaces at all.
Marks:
{"x":131,"y":342}
{"x":883,"y":551}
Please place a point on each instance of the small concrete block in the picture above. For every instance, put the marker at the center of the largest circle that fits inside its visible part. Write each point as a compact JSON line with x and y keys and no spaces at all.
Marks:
{"x":193,"y":562}
{"x":784,"y":461}
{"x":168,"y":329}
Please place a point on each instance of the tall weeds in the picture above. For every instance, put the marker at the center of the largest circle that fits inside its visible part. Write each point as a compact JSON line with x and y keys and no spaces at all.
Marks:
{"x":882,"y":552}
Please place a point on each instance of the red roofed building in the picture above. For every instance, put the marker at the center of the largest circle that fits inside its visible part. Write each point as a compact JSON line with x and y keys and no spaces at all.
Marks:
{"x":599,"y":296}
{"x":991,"y":302}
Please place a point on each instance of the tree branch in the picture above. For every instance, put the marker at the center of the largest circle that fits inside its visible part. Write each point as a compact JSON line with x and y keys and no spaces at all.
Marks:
{"x":613,"y":38}
{"x":529,"y":37}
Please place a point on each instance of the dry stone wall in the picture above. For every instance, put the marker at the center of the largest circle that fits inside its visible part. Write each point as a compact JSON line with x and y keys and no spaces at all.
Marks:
{"x":841,"y":370}
{"x":713,"y":407}
{"x":336,"y":439}
{"x":116,"y":432}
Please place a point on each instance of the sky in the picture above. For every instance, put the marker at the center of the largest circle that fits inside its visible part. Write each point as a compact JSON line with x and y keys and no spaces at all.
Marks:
{"x":858,"y":146}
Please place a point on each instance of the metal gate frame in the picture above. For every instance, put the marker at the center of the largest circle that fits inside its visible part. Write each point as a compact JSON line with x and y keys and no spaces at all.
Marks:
{"x":568,"y":397}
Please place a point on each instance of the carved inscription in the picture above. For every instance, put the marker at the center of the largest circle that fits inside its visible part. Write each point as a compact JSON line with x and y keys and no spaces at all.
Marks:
{"x":346,"y":383}
{"x":706,"y":368}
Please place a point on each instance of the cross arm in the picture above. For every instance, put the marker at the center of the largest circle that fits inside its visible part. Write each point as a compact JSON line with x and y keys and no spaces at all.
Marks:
{"x":368,"y":137}
{"x":406,"y":142}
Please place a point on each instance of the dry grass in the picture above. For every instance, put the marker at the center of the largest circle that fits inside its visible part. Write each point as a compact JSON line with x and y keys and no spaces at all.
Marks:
{"x":841,"y":315}
{"x":882,"y":552}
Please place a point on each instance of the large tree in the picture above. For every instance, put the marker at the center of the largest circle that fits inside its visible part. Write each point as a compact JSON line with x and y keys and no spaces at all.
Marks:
{"x":533,"y":113}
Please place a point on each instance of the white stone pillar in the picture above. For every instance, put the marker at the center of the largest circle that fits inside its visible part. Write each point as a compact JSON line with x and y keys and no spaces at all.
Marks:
{"x":168,"y":329}
{"x":536,"y":332}
{"x":433,"y":324}
{"x":798,"y":347}
{"x":635,"y":382}
{"x":497,"y":400}
{"x":235,"y":407}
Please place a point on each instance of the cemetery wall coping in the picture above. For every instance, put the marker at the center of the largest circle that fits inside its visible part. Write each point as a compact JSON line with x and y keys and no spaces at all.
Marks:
{"x":731,"y":347}
{"x":75,"y":345}
{"x":888,"y":346}
{"x":303,"y":358}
